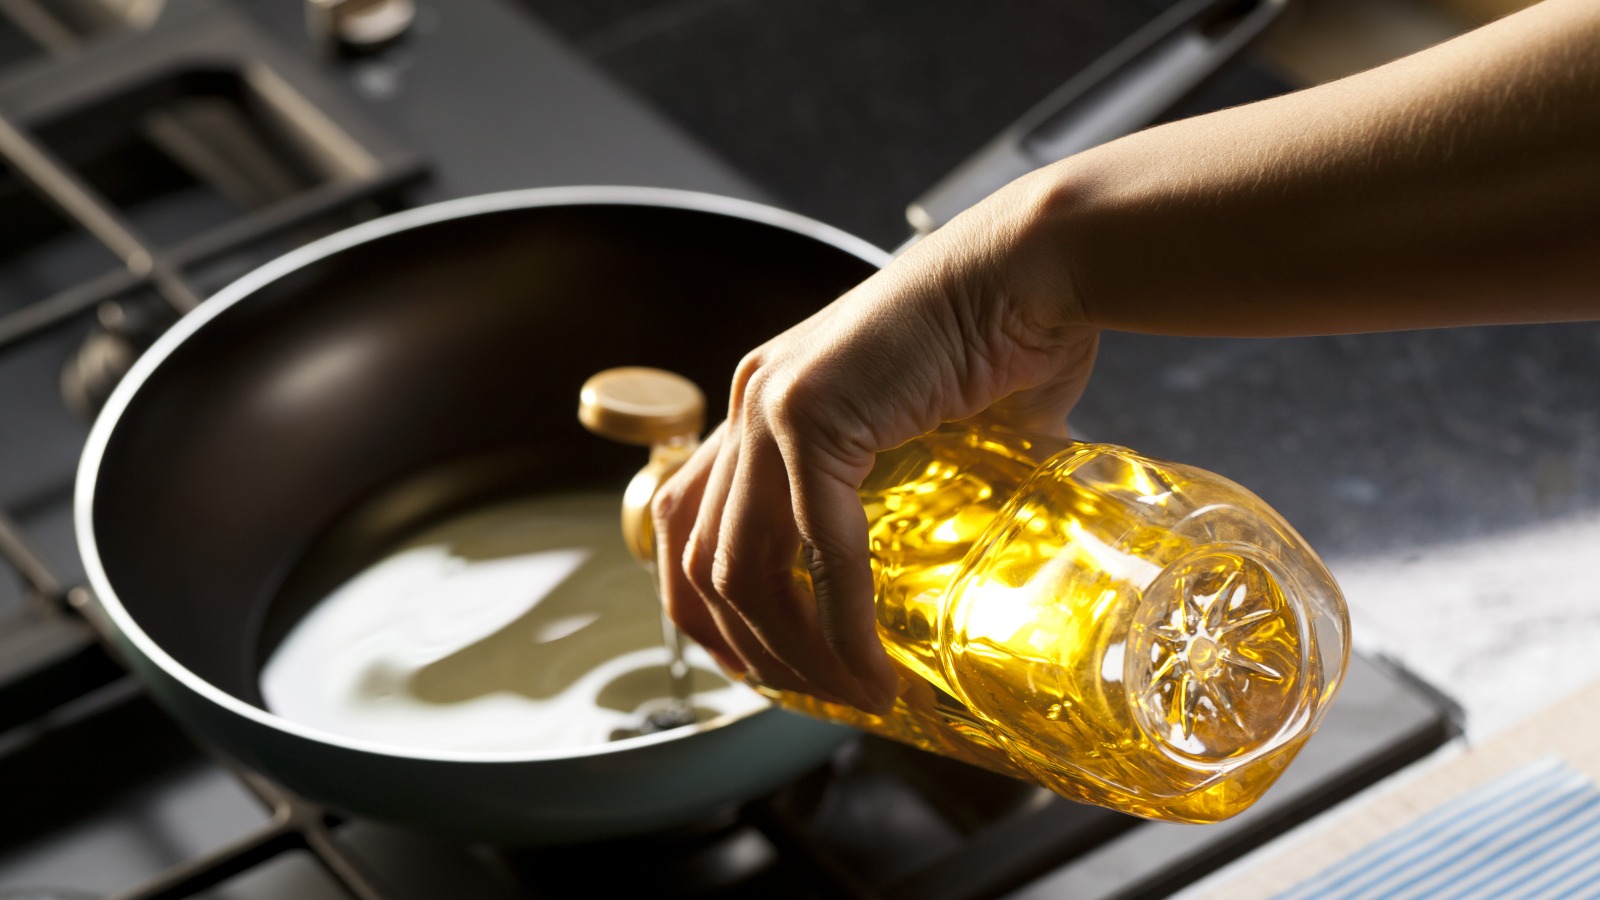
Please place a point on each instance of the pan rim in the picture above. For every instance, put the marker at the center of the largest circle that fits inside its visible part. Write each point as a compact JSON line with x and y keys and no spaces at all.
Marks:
{"x":105,"y":424}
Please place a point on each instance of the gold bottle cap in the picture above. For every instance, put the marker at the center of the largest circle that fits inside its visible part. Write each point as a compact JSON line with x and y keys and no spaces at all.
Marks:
{"x":638,"y":405}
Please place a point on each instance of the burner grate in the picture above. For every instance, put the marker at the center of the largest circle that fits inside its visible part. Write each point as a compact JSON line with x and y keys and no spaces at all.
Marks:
{"x":296,"y":829}
{"x":181,"y":143}
{"x":32,"y":28}
{"x":139,"y":174}
{"x":143,"y":164}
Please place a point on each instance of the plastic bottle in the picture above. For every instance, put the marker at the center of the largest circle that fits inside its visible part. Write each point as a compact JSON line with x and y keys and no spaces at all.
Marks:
{"x":1133,"y":633}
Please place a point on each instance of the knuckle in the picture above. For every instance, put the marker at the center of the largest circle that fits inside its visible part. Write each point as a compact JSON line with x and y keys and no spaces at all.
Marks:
{"x":749,"y":364}
{"x":826,"y":554}
{"x":697,"y":567}
{"x":797,"y":407}
{"x":758,"y":394}
{"x":667,"y":507}
{"x":724,"y":573}
{"x":744,"y":377}
{"x":810,"y":406}
{"x":775,"y":394}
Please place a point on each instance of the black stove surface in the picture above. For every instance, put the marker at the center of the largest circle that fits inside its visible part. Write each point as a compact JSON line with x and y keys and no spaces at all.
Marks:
{"x":110,"y":799}
{"x":104,"y":795}
{"x":847,"y":111}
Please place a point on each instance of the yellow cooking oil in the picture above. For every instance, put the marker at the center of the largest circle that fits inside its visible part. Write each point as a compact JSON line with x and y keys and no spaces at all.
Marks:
{"x":1136,"y":634}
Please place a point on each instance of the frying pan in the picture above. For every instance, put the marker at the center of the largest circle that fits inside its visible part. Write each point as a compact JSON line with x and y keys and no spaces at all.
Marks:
{"x":428,"y":361}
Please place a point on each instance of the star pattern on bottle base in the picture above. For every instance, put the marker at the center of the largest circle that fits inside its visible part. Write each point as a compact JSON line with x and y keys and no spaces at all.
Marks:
{"x":1202,"y":640}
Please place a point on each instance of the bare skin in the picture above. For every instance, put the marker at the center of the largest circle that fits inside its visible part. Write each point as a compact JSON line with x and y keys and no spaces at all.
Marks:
{"x":1457,"y":186}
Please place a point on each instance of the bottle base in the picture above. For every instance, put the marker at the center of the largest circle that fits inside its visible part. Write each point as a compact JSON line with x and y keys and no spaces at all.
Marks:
{"x":1220,"y":666}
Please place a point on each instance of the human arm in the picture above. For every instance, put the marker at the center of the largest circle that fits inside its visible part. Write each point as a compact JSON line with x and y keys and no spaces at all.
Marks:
{"x":1458,"y":186}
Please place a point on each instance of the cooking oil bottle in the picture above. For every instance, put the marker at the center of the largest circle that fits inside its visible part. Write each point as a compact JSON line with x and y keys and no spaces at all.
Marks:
{"x":1133,"y":633}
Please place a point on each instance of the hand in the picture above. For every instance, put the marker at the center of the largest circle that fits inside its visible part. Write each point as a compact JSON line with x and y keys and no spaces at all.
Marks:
{"x":962,"y":324}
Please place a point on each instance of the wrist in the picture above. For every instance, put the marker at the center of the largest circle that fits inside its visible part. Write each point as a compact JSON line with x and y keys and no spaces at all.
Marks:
{"x":1044,"y":272}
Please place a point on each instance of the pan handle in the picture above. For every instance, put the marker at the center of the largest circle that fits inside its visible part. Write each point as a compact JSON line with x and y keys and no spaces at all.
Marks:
{"x":1121,"y":92}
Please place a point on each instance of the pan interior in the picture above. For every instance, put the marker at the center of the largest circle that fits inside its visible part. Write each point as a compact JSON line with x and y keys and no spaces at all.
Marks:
{"x":404,"y":379}
{"x":519,"y":624}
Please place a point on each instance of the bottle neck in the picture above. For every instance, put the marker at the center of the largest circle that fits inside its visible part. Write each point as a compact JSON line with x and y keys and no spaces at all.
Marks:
{"x":638,"y":530}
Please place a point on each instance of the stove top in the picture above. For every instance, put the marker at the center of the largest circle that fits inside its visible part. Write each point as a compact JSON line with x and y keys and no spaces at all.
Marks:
{"x":150,"y":153}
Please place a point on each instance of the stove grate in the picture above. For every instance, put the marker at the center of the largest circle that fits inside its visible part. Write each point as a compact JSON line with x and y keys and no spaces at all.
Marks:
{"x":347,"y":169}
{"x":290,"y":158}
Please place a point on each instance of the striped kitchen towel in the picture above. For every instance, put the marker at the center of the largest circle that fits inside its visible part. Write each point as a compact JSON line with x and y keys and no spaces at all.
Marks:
{"x":1534,"y":832}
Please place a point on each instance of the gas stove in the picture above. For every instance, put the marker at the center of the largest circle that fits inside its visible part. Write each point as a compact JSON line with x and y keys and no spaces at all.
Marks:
{"x":150,"y":153}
